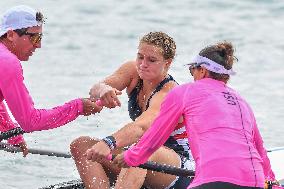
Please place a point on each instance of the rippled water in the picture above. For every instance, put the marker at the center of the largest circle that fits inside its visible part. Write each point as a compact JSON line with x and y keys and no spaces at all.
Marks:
{"x":86,"y":40}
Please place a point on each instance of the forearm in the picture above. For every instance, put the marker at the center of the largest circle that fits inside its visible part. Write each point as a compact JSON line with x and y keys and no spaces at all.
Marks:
{"x":128,"y":135}
{"x":157,"y":134}
{"x":44,"y":119}
{"x":22,"y":107}
{"x":152,"y":139}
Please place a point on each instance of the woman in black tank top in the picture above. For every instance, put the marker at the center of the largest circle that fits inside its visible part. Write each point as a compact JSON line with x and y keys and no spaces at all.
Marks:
{"x":147,"y":82}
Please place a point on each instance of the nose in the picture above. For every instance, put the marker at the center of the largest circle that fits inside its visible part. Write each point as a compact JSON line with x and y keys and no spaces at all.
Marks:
{"x":37,"y":45}
{"x":144,"y":63}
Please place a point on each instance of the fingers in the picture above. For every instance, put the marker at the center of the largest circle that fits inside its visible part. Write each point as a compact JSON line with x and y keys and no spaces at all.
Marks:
{"x":107,"y":94}
{"x":119,"y":161}
{"x":90,"y":107}
{"x":110,"y":99}
{"x":99,"y":152}
{"x":24,"y":148}
{"x":25,"y":152}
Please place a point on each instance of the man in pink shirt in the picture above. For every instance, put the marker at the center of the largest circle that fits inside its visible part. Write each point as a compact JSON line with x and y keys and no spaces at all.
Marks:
{"x":20,"y":36}
{"x":223,"y":135}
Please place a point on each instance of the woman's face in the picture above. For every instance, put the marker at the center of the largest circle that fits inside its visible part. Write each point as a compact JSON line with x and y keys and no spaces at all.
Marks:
{"x":150,"y":62}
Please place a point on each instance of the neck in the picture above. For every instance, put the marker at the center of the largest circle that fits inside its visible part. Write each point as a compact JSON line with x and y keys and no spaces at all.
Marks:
{"x":150,"y":85}
{"x":7,"y":44}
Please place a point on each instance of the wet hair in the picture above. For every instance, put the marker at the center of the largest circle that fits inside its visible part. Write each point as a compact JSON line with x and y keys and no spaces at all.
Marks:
{"x":221,"y":53}
{"x":161,"y":40}
{"x":39,"y":17}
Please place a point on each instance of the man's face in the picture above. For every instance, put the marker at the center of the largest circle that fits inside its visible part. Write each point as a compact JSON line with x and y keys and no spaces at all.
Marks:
{"x":24,"y":46}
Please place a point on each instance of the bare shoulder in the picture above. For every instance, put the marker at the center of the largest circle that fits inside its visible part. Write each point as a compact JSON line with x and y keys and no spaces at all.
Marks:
{"x":168,"y":86}
{"x":123,"y":77}
{"x":159,"y":96}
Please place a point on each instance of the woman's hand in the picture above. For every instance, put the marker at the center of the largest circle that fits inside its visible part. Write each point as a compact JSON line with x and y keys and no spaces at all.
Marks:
{"x":119,"y":161}
{"x":98,"y":152}
{"x":24,"y":148}
{"x":90,"y":107}
{"x":106,"y":94}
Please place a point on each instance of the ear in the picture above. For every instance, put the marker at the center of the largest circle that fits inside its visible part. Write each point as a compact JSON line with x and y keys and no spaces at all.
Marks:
{"x":11,"y":35}
{"x":204,"y":72}
{"x":169,"y":62}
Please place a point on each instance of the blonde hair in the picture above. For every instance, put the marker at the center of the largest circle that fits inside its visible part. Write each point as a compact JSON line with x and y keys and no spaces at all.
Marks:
{"x":161,"y":40}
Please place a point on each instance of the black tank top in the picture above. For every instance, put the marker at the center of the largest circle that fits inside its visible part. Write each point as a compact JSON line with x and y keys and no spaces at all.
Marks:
{"x":133,"y":107}
{"x":178,"y":140}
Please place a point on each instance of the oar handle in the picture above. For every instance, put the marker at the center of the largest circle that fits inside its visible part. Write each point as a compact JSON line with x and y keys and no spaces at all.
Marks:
{"x":163,"y":168}
{"x":13,"y":149}
{"x":153,"y":166}
{"x":13,"y":132}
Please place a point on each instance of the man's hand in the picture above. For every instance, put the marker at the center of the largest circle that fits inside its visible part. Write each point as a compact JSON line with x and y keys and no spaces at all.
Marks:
{"x":90,"y":107}
{"x":24,"y":148}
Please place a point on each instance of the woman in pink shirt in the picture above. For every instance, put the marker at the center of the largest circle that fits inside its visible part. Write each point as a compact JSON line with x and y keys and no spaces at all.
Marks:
{"x":224,"y":137}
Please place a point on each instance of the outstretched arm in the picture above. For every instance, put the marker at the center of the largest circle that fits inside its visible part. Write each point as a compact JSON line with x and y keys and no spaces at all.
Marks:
{"x":108,"y":89}
{"x":158,"y":133}
{"x":156,"y":136}
{"x":22,"y":107}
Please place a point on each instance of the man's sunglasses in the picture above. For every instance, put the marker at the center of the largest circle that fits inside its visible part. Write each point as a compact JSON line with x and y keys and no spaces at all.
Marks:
{"x":35,"y":38}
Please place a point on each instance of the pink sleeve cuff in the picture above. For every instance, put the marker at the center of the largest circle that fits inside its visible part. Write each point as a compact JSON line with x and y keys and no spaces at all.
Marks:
{"x":16,"y":140}
{"x":80,"y":106}
{"x":126,"y":158}
{"x":130,"y":161}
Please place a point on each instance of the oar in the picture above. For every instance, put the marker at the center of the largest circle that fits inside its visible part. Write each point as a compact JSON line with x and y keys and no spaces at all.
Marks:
{"x":153,"y":166}
{"x":13,"y":149}
{"x":11,"y":133}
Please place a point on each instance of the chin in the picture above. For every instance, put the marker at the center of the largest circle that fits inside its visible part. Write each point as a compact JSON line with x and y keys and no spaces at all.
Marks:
{"x":24,"y":59}
{"x":143,"y":76}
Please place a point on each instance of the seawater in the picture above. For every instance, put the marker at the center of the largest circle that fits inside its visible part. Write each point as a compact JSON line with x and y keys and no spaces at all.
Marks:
{"x":84,"y":41}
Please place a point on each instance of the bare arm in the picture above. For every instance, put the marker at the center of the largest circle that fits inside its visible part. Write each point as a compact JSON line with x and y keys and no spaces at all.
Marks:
{"x":108,"y":89}
{"x":123,"y":76}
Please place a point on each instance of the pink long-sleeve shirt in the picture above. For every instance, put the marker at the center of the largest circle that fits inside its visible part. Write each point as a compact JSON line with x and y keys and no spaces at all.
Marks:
{"x":6,"y":124}
{"x":224,"y":138}
{"x":20,"y":103}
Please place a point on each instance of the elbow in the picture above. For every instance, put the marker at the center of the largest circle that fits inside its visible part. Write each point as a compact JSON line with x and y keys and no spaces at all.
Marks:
{"x":26,"y":126}
{"x":28,"y":122}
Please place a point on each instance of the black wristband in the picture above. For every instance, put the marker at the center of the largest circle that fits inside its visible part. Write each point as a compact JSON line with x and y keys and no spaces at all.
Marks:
{"x":110,"y":141}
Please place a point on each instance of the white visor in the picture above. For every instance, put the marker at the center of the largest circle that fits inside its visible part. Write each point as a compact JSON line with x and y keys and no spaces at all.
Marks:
{"x":211,"y":65}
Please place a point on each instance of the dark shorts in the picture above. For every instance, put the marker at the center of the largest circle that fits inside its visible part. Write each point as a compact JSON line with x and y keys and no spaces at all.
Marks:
{"x":182,"y":183}
{"x":223,"y":185}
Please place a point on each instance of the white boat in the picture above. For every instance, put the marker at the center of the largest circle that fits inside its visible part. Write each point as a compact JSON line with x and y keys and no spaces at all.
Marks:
{"x":276,"y":156}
